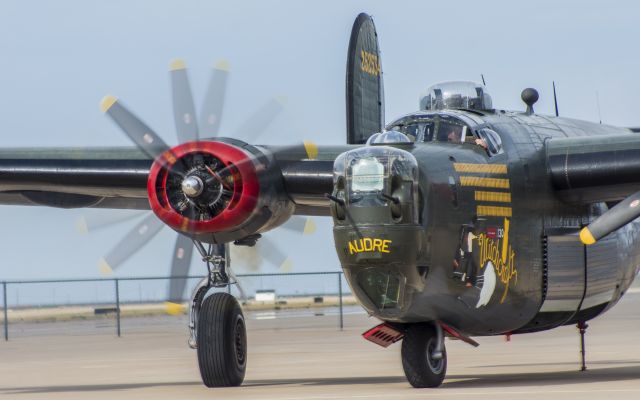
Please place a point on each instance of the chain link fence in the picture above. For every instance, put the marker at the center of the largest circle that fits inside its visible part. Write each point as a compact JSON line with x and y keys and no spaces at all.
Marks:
{"x":117,"y":298}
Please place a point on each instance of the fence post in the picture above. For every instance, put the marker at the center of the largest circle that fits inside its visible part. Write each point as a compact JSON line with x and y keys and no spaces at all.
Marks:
{"x":5,"y":306}
{"x":117,"y":284}
{"x":340,"y":298}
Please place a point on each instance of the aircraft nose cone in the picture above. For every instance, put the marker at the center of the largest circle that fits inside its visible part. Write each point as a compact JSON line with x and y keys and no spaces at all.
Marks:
{"x":192,"y":186}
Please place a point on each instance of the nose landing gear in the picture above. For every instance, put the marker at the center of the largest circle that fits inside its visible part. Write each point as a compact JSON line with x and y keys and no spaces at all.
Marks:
{"x":424,"y":357}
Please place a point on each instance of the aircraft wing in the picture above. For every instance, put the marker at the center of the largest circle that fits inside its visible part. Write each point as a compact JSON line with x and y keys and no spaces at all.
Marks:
{"x":603,"y":168}
{"x":117,"y":177}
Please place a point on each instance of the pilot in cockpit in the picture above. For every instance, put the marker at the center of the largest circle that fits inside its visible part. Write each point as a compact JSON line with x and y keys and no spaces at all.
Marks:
{"x":450,"y":133}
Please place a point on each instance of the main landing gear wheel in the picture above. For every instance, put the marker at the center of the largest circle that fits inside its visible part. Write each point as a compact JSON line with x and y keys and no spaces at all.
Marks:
{"x":422,"y":366}
{"x":222,"y":341}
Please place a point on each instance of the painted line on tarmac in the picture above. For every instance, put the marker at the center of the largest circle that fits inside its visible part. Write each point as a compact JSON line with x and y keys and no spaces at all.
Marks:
{"x":443,"y":392}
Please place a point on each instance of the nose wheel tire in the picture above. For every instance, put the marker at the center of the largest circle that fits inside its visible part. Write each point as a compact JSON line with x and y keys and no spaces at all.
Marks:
{"x":421,"y":368}
{"x":222,"y":341}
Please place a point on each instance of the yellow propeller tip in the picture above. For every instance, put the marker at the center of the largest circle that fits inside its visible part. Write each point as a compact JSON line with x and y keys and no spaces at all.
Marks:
{"x":81,"y":226}
{"x":309,"y":227}
{"x":177,"y":64}
{"x":107,"y":102}
{"x":222,"y":65}
{"x":311,"y":149}
{"x":174,"y":308}
{"x":287,"y":265}
{"x":104,"y":267}
{"x":586,"y":236}
{"x":282,"y":100}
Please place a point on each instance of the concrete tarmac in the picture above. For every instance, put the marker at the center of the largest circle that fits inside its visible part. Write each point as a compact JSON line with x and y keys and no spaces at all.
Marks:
{"x":303,"y":356}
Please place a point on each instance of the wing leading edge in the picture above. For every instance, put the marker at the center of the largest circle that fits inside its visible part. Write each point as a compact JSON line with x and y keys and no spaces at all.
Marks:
{"x":117,"y":177}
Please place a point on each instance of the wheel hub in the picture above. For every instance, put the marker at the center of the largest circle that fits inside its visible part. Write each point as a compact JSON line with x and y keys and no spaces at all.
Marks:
{"x":240,"y":342}
{"x":435,"y":363}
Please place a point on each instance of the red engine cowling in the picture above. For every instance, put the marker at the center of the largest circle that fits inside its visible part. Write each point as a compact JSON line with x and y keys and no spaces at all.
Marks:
{"x":217,"y":191}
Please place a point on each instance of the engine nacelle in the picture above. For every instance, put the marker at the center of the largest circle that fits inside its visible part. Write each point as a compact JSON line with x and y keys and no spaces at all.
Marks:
{"x":218,"y":191}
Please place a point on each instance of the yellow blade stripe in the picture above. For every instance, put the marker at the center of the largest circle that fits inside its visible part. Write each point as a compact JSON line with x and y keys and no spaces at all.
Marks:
{"x":493,"y":211}
{"x":486,"y":168}
{"x":222,"y":65}
{"x":107,"y":102}
{"x":498,"y":197}
{"x":484,"y":182}
{"x":311,"y":149}
{"x":177,"y":64}
{"x":586,"y":237}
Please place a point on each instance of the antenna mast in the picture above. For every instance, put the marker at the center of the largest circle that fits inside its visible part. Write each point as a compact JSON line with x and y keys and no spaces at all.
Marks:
{"x":555,"y":98}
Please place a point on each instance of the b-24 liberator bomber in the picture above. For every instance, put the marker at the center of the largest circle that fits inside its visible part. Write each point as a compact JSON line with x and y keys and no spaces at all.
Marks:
{"x":458,"y":220}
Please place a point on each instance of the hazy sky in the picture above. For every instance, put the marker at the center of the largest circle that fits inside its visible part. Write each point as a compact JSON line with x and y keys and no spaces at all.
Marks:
{"x":60,"y":57}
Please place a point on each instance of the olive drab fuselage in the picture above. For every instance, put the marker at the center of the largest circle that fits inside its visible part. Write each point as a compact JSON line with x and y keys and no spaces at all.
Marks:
{"x":492,"y":248}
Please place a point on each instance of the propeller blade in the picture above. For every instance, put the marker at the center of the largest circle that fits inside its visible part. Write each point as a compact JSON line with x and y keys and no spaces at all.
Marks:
{"x":247,"y":256}
{"x":259,"y":121}
{"x":133,"y":241}
{"x":211,"y":113}
{"x":306,"y":149}
{"x":96,"y":221}
{"x":182,"y":254}
{"x":184,"y":110}
{"x":303,"y":225}
{"x":143,"y":136}
{"x":623,"y":213}
{"x":272,"y":254}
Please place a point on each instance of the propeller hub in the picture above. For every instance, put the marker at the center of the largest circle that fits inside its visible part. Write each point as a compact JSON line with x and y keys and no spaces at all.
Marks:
{"x":192,"y":186}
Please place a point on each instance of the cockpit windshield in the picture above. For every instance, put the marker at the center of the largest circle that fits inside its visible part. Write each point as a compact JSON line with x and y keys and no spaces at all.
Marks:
{"x":438,"y":127}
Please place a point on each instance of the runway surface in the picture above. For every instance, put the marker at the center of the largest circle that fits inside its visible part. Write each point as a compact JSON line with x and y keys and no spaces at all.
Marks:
{"x":304,"y":356}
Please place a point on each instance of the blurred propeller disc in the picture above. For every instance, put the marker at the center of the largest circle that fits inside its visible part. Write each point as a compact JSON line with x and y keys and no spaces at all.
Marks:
{"x":182,"y":254}
{"x":213,"y":105}
{"x":187,"y":130}
{"x":260,"y":120}
{"x":304,"y":225}
{"x":184,"y":110}
{"x":96,"y":221}
{"x":133,"y":241}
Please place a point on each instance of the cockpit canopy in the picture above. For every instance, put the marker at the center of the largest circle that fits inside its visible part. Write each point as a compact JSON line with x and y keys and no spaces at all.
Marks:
{"x":388,"y":137}
{"x":456,"y":94}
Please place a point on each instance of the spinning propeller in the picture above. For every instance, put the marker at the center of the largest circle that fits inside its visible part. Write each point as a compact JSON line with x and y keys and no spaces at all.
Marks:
{"x":198,"y":186}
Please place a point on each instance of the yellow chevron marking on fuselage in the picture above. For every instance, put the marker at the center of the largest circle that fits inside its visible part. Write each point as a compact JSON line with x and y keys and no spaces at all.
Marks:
{"x":484,"y":168}
{"x":497,"y":183}
{"x":493,"y":211}
{"x":497,"y":197}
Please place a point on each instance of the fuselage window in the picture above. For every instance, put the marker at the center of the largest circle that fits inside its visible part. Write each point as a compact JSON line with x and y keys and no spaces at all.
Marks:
{"x":490,"y":141}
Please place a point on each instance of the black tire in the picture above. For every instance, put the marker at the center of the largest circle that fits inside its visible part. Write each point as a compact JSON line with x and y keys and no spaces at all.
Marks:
{"x":421,"y":370}
{"x":222,"y":341}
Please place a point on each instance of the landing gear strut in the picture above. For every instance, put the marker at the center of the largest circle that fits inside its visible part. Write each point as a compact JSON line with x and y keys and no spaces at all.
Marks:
{"x":582,"y":327}
{"x":216,"y":324}
{"x":424,"y":357}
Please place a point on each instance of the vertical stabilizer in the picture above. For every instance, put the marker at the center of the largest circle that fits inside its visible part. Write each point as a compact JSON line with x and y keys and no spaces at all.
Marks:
{"x":365,"y":91}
